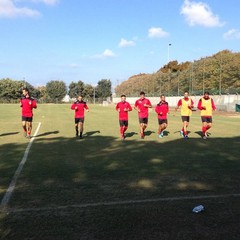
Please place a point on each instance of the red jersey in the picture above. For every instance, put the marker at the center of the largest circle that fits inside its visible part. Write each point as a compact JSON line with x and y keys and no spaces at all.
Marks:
{"x":143,"y":111}
{"x":27,"y":104}
{"x":79,"y":107}
{"x":162,"y":110}
{"x":123,"y":108}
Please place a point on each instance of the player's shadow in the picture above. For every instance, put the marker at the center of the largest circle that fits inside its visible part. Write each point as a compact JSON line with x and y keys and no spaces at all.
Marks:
{"x":166,"y":133}
{"x":130,"y":134}
{"x":7,"y":134}
{"x":148,"y":133}
{"x":47,"y":133}
{"x":199,"y":133}
{"x":91,"y":133}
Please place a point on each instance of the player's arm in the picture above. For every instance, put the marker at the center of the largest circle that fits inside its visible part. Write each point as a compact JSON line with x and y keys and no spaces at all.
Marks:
{"x":136,"y":107}
{"x":74,"y":106}
{"x":148,"y":105}
{"x":213,"y":105}
{"x":129,"y":108}
{"x":200,"y":107}
{"x":86,"y":107}
{"x":190,"y":106}
{"x":34,"y":104}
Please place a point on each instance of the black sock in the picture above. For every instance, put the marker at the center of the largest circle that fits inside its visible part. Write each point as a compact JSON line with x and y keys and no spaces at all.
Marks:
{"x":80,"y":134}
{"x":76,"y":131}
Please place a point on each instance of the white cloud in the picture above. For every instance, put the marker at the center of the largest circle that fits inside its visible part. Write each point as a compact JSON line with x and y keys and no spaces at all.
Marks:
{"x":9,"y":9}
{"x":106,"y":54}
{"x":125,"y":43}
{"x":199,"y":13}
{"x":47,"y":2}
{"x":154,"y":32}
{"x":232,"y":34}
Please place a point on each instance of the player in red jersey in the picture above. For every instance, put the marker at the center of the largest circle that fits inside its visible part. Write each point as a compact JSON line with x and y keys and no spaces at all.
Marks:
{"x":123,"y":108}
{"x":206,"y":105}
{"x":27,"y":103}
{"x":162,"y":110}
{"x":79,"y":106}
{"x":142,"y":105}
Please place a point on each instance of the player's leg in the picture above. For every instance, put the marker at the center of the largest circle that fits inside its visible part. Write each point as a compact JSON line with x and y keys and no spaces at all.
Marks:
{"x":81,"y":128}
{"x":125,"y":126}
{"x":185,"y":126}
{"x":142,"y":130}
{"x":121,"y":129}
{"x":29,"y":128}
{"x":77,"y":126}
{"x":24,"y":126}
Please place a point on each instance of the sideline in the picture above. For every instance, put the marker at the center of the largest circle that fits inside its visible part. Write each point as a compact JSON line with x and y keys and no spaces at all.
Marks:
{"x":117,"y":203}
{"x":9,"y":192}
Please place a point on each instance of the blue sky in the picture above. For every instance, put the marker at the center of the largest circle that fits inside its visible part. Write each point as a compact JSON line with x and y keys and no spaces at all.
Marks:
{"x":90,"y":40}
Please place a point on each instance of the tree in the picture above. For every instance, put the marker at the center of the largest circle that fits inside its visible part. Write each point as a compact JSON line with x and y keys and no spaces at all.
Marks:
{"x":76,"y":89}
{"x":10,"y":90}
{"x":88,"y":92}
{"x":103,"y":89}
{"x":56,"y":90}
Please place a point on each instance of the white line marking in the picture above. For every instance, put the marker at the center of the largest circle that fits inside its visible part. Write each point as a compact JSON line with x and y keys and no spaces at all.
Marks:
{"x":12,"y":185}
{"x":116,"y":203}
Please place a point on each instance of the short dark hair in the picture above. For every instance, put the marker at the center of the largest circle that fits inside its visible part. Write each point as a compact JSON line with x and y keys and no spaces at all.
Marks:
{"x":123,"y":95}
{"x":162,"y":95}
{"x":25,"y":89}
{"x":206,"y":92}
{"x":142,"y":93}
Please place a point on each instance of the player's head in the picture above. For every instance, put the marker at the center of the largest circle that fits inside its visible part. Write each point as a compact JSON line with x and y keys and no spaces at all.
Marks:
{"x":142,"y":94}
{"x":186,"y":94}
{"x":25,"y":91}
{"x":162,"y":97}
{"x":80,"y":97}
{"x":123,"y":97}
{"x":206,"y":94}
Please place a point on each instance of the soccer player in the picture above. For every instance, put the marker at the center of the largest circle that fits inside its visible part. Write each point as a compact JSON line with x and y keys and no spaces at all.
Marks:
{"x":162,"y":110}
{"x":123,"y":107}
{"x":27,"y":103}
{"x":206,"y":105}
{"x":186,"y":104}
{"x":79,"y":106}
{"x":142,"y":105}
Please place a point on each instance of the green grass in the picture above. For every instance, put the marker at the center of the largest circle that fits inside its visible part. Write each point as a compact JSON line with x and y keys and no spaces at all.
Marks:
{"x":63,"y":173}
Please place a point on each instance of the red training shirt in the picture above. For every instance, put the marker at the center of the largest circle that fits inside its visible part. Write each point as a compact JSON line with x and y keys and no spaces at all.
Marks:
{"x":81,"y":106}
{"x":27,"y":104}
{"x":121,"y":107}
{"x":162,"y":110}
{"x":143,"y":113}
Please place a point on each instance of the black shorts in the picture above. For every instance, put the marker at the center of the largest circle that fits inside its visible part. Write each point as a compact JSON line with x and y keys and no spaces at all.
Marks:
{"x":78,"y":120}
{"x":206,"y":119}
{"x":123,"y":123}
{"x":143,"y":120}
{"x":161,"y":121}
{"x":27,"y":119}
{"x":185,"y":118}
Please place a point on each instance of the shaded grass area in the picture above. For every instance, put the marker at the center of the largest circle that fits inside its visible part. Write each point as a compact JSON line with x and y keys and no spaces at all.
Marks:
{"x":164,"y":220}
{"x":64,"y":171}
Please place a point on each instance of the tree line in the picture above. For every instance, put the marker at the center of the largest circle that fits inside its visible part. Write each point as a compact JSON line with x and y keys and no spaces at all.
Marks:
{"x":54,"y":91}
{"x":219,"y":74}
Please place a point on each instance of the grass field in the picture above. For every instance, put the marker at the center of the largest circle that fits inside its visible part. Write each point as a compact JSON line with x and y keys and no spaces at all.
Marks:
{"x":101,"y":187}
